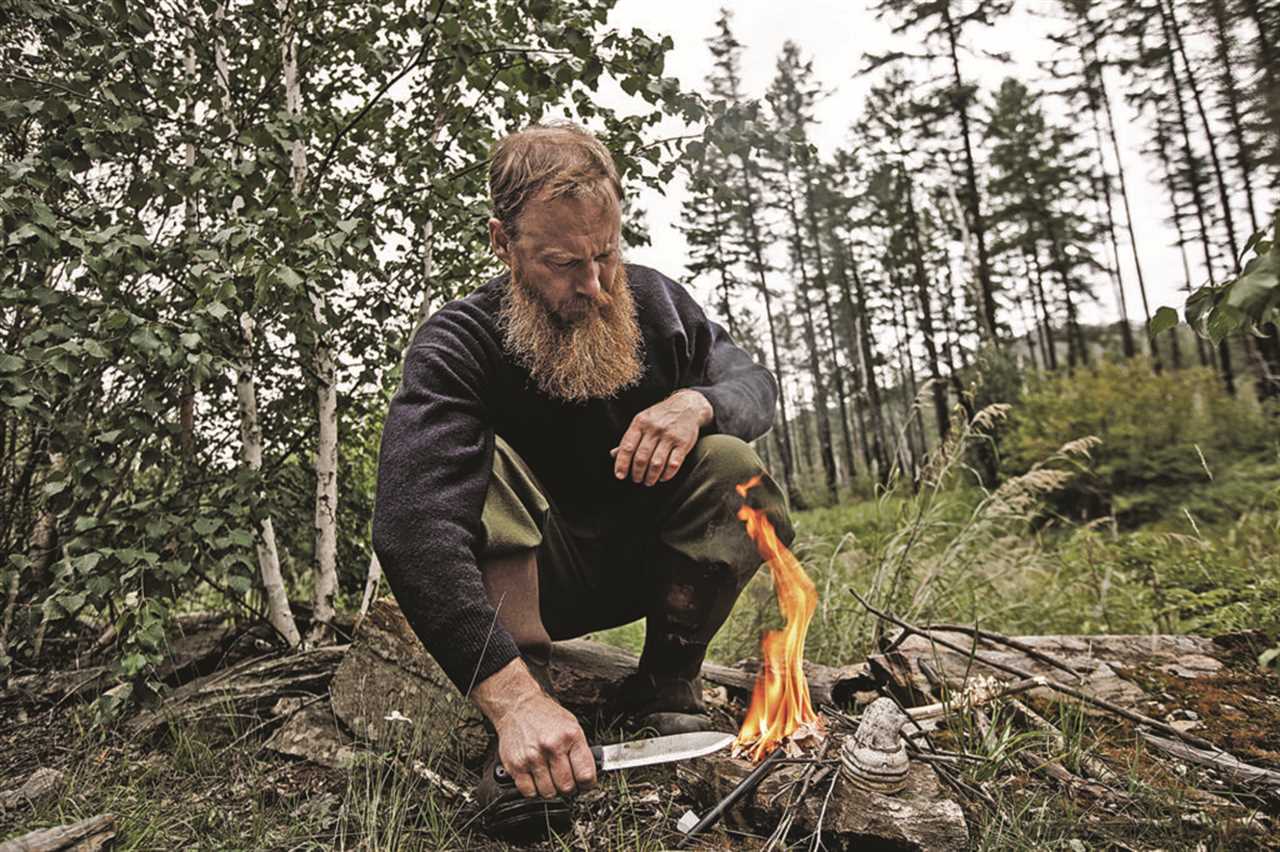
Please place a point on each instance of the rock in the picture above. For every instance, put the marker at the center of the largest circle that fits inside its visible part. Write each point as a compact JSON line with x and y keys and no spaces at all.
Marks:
{"x":40,"y":785}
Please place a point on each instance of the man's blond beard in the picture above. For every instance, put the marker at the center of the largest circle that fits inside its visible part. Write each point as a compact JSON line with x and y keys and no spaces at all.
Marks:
{"x":594,"y":357}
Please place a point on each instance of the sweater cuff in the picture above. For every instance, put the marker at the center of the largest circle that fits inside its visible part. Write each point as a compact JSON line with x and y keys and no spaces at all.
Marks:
{"x":475,"y":647}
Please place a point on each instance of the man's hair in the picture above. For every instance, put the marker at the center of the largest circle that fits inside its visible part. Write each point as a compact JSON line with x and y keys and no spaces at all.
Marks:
{"x":554,"y":160}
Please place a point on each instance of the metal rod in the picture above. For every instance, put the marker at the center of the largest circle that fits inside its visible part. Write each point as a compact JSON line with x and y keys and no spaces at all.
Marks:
{"x":745,"y":786}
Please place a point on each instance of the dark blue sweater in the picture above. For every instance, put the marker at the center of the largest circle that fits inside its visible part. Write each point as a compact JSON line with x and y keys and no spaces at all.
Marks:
{"x":460,"y":387}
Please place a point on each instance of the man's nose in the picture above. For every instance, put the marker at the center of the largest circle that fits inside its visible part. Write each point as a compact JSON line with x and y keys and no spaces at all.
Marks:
{"x":589,"y":283}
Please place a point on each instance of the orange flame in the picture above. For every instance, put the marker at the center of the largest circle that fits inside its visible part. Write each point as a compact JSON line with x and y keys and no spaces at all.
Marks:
{"x":780,"y":702}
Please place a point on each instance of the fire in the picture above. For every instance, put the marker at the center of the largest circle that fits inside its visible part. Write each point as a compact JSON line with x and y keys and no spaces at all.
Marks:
{"x":780,"y":703}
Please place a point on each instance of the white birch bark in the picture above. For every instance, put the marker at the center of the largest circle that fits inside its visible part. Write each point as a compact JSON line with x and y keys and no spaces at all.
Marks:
{"x":325,"y":366}
{"x":277,"y":596}
{"x":278,"y":612}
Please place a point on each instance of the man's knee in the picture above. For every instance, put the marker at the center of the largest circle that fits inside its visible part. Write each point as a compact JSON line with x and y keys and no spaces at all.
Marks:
{"x":725,"y":460}
{"x":705,"y":525}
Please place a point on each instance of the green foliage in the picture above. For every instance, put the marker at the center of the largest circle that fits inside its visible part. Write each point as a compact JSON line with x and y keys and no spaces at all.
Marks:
{"x":148,"y":210}
{"x":1246,"y":302}
{"x":1166,"y":440}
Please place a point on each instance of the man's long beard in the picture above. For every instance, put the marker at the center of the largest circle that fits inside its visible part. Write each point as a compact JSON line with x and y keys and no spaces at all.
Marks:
{"x":592,"y":354}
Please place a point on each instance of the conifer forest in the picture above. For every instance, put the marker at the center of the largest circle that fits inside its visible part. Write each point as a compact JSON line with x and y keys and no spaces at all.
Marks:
{"x":1022,"y":316}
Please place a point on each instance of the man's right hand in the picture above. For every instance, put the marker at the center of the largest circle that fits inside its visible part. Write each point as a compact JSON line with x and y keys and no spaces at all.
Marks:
{"x":540,"y":744}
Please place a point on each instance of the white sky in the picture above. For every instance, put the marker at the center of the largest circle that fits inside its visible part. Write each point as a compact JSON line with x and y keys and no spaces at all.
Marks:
{"x":836,"y":35}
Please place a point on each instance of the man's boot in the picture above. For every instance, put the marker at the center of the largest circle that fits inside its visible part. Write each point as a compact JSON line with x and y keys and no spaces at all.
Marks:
{"x":504,"y":811}
{"x":665,"y":694}
{"x":511,"y":584}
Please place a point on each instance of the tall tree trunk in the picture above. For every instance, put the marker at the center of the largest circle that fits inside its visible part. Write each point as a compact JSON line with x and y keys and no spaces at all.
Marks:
{"x":1128,"y":209}
{"x":1037,"y":281}
{"x":1033,"y":335}
{"x":187,"y":400}
{"x":1059,"y":260}
{"x":939,"y":389}
{"x":821,"y":282}
{"x":1197,"y":197}
{"x":1234,"y":97}
{"x":1097,"y":92}
{"x":913,"y":428}
{"x":870,"y":455}
{"x":1269,"y":56}
{"x":755,"y":244}
{"x":862,"y":334}
{"x":987,"y":305}
{"x":325,"y":366}
{"x":277,"y":597}
{"x":821,"y":401}
{"x":1103,"y":189}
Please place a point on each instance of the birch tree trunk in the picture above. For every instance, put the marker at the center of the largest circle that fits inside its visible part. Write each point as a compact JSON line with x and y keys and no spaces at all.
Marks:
{"x":278,"y":612}
{"x":322,"y":361}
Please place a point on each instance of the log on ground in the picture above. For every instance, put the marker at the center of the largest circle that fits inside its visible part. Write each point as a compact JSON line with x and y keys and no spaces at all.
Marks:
{"x":1099,"y":661}
{"x":88,"y":835}
{"x":919,"y":819}
{"x":388,"y":690}
{"x":248,"y":689}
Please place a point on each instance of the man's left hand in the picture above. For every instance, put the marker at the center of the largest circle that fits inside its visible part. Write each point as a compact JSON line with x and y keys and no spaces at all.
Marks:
{"x":660,"y":437}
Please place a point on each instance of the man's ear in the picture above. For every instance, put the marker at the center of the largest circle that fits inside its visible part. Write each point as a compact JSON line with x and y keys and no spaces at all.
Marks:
{"x":499,"y":242}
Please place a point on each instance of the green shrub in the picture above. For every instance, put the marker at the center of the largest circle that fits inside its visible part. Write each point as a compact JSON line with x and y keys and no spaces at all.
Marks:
{"x":1165,"y":437}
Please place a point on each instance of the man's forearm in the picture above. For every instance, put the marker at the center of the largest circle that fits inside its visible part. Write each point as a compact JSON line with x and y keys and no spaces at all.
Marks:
{"x":505,"y":690}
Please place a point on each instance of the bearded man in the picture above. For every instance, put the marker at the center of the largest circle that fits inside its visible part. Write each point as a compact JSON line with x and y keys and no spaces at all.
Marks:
{"x":561,"y":458}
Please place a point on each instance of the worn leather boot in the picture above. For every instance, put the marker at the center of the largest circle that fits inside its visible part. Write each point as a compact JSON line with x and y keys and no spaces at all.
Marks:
{"x":505,"y":813}
{"x":665,"y":694}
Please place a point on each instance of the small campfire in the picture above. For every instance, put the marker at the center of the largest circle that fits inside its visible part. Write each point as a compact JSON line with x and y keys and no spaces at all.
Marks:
{"x":781,"y":712}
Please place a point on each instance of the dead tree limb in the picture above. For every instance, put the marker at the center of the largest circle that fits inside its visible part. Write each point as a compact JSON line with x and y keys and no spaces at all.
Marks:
{"x":88,"y":835}
{"x":1000,"y":639}
{"x":1064,"y":689}
{"x":1235,"y":772}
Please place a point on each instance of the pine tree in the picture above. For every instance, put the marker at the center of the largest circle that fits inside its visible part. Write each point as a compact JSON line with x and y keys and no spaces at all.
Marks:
{"x":738,"y":136}
{"x":949,"y":20}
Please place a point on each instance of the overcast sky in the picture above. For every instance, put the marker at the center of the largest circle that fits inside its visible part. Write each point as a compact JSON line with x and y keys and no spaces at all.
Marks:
{"x":836,"y":35}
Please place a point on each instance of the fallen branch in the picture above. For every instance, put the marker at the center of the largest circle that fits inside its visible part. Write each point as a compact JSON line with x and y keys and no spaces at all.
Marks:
{"x":88,"y":835}
{"x":1056,"y":686}
{"x":969,"y":699}
{"x":1000,"y":639}
{"x":1236,"y":772}
{"x":1092,"y":766}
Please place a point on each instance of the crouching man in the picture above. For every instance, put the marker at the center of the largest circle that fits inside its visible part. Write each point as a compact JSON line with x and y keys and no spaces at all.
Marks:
{"x":561,"y":458}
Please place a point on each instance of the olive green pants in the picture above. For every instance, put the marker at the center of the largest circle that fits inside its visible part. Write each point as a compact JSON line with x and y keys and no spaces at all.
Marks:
{"x":678,"y":558}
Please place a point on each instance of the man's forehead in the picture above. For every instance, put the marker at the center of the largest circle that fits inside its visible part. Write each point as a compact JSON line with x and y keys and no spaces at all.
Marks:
{"x":568,"y":223}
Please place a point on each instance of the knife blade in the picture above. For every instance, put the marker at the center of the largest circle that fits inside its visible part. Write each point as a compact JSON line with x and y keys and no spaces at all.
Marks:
{"x":659,"y":750}
{"x":630,"y":755}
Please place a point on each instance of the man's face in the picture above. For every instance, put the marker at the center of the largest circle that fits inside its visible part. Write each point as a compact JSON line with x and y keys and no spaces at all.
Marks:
{"x":568,"y":314}
{"x":566,"y":254}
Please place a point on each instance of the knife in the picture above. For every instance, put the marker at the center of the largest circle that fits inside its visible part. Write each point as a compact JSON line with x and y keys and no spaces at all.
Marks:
{"x":647,"y":752}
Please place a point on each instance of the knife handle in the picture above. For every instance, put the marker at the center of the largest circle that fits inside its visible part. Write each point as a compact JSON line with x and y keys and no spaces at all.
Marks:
{"x":501,"y":775}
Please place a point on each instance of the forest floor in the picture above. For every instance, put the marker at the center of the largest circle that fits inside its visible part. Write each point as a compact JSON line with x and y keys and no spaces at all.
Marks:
{"x":216,"y":786}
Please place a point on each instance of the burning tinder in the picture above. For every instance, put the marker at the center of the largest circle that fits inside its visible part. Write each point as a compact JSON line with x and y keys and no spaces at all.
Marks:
{"x":780,"y":704}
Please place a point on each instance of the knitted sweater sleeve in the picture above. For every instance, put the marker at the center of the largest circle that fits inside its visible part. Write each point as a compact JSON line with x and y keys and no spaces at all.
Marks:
{"x":433,"y":473}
